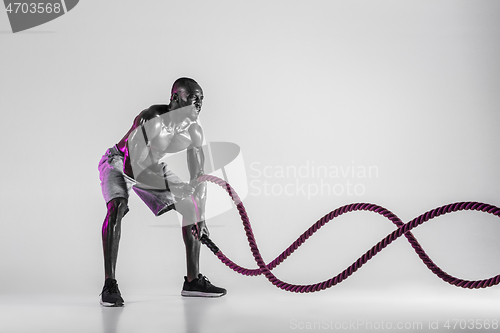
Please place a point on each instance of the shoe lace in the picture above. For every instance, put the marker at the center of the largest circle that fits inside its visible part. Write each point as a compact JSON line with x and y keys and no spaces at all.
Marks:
{"x":112,"y":288}
{"x":205,"y":281}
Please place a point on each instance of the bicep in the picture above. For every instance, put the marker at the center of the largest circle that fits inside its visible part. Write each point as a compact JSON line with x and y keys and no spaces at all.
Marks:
{"x":196,"y":133}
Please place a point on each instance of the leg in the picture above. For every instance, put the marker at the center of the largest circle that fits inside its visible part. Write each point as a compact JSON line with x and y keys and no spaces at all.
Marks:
{"x":192,"y":252}
{"x":111,"y":230}
{"x":115,"y":188}
{"x":195,"y":284}
{"x":187,"y":209}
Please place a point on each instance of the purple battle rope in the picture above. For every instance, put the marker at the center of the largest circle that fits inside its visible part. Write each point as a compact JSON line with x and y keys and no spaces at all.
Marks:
{"x":403,"y":228}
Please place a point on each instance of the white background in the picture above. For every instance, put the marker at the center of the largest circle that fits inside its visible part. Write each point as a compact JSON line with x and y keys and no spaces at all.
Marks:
{"x":411,"y":87}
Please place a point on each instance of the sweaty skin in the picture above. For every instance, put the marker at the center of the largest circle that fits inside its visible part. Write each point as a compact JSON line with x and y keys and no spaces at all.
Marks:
{"x":169,"y":129}
{"x":158,"y":132}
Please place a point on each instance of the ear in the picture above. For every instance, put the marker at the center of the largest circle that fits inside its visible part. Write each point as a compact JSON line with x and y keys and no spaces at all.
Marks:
{"x":174,"y":97}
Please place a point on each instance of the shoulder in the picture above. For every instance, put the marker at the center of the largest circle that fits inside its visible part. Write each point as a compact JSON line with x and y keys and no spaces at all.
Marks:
{"x":150,"y":119}
{"x":152,"y":112}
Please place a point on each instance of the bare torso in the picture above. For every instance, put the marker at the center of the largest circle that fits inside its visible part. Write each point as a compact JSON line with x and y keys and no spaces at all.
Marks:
{"x":158,"y":131}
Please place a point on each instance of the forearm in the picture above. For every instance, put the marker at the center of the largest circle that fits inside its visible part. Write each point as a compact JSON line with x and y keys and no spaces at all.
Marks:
{"x":200,"y":195}
{"x":196,"y":160}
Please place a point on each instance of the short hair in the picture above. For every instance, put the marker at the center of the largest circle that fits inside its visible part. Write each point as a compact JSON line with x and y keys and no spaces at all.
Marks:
{"x":182,"y":82}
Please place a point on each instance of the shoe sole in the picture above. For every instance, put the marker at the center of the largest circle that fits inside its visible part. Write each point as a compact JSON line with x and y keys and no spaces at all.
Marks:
{"x":111,"y":305}
{"x":187,"y":293}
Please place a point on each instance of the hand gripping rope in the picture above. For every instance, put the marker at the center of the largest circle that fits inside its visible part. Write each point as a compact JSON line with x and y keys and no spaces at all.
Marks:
{"x":402,"y":229}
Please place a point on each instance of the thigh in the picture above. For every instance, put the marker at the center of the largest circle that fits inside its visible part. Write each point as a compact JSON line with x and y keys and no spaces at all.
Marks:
{"x":187,"y":208}
{"x":114,"y":183}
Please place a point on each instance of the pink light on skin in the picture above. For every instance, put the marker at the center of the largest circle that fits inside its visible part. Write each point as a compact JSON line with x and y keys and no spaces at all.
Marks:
{"x":196,"y":208}
{"x":197,"y":217}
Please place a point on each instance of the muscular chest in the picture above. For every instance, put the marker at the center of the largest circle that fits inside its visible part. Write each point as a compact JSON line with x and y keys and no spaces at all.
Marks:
{"x":171,"y":138}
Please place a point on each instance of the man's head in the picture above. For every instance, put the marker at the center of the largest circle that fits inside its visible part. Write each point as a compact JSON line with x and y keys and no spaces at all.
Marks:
{"x":186,"y":92}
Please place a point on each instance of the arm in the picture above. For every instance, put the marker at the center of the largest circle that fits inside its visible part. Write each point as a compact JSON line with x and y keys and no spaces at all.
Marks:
{"x":195,"y":162}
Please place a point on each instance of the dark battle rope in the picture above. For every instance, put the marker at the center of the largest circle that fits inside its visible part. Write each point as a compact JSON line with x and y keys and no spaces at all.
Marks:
{"x":402,"y":229}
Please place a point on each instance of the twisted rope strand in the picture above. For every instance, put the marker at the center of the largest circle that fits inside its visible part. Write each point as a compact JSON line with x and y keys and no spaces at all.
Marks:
{"x":402,"y":229}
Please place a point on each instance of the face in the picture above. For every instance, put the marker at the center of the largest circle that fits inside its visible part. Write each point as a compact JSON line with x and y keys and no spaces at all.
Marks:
{"x":191,"y":96}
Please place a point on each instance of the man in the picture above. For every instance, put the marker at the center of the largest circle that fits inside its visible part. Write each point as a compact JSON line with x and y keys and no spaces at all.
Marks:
{"x":135,"y":163}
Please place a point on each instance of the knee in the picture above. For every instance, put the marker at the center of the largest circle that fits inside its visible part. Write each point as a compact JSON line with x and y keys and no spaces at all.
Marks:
{"x":116,"y":210}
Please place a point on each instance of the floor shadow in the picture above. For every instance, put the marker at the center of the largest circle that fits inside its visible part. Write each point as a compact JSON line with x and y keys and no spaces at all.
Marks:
{"x":110,"y":318}
{"x":195,"y":310}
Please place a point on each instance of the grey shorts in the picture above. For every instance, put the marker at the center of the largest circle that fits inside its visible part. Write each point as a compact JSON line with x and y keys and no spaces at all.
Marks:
{"x":116,"y":184}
